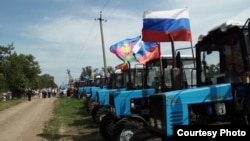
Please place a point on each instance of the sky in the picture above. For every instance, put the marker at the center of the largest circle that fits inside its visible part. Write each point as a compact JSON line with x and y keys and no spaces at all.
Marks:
{"x":65,"y":34}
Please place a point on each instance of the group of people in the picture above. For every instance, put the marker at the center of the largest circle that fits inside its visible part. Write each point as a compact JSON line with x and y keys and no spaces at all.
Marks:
{"x":41,"y":93}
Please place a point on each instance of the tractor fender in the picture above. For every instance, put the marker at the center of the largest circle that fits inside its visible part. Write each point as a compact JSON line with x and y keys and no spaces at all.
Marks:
{"x":139,"y":118}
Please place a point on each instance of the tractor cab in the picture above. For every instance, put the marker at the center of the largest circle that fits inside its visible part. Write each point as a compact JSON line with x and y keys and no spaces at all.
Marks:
{"x":223,"y":55}
{"x":164,"y":76}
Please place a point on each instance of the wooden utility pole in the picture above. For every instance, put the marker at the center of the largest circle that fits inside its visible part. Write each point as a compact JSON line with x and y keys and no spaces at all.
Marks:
{"x":103,"y":46}
{"x":71,"y":79}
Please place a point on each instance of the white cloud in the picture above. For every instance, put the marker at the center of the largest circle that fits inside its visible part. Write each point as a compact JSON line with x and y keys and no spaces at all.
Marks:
{"x":68,"y":36}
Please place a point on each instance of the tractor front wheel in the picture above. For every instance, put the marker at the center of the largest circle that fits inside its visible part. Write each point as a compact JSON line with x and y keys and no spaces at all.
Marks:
{"x":124,"y":129}
{"x":100,"y":113}
{"x":144,"y":134}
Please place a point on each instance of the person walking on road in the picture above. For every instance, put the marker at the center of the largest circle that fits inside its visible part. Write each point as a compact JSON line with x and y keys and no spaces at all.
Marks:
{"x":29,"y":94}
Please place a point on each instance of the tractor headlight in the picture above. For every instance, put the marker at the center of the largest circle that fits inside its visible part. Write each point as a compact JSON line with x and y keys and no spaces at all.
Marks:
{"x":112,"y":109}
{"x":220,"y":109}
{"x":132,"y":105}
{"x":246,"y":77}
{"x":152,"y":122}
{"x":88,"y":95}
{"x":159,"y":123}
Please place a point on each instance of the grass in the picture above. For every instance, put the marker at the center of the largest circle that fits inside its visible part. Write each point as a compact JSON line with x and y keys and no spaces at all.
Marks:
{"x":70,"y":118}
{"x":10,"y":103}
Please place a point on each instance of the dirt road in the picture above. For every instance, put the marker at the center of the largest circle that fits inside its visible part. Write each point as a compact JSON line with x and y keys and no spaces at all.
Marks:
{"x":25,"y":122}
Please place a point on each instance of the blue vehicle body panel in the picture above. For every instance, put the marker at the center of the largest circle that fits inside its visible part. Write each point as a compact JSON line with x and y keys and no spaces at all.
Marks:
{"x":93,"y":91}
{"x":104,"y":95}
{"x":80,"y":90}
{"x":177,"y":102}
{"x":122,"y":99}
{"x":85,"y":90}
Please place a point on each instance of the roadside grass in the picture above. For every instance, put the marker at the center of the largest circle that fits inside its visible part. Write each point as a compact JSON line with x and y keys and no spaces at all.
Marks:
{"x":70,"y":119}
{"x":10,"y":103}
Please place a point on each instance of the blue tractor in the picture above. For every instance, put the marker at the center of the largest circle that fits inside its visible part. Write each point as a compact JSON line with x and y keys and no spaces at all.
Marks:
{"x":124,"y":79}
{"x":222,"y":92}
{"x":84,"y":87}
{"x":130,"y":108}
{"x":90,"y":89}
{"x":99,"y":97}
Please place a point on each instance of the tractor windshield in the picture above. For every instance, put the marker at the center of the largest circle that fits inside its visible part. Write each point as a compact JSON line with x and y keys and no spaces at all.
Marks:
{"x":138,"y":78}
{"x":222,"y":56}
{"x":155,"y":79}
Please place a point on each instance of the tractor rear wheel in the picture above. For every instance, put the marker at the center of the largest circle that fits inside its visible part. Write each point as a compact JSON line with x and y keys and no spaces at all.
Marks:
{"x":106,"y":126}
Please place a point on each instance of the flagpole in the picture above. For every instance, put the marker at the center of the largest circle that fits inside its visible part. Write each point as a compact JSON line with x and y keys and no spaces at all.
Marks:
{"x":192,"y":51}
{"x":103,"y":46}
{"x":173,"y":49}
{"x":161,"y":80}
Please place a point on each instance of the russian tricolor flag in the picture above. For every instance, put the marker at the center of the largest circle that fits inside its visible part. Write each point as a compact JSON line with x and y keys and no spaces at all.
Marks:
{"x":146,"y":51}
{"x":159,"y":24}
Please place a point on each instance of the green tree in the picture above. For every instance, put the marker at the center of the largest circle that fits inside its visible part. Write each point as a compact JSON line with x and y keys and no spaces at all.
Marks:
{"x":20,"y":72}
{"x":46,"y":81}
{"x":5,"y":51}
{"x":86,"y":72}
{"x":110,"y":69}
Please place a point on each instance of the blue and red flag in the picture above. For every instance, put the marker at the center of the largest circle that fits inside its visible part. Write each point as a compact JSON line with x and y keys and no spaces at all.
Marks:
{"x":122,"y":66}
{"x":159,"y":24}
{"x":146,"y":51}
{"x":123,"y":49}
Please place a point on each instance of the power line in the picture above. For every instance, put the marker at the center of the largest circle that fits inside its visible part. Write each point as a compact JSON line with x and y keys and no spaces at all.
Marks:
{"x":105,"y":5}
{"x":85,"y":46}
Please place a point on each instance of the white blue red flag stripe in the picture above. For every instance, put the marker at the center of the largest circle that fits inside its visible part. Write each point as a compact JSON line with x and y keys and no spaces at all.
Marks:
{"x":146,"y":51}
{"x":158,"y":25}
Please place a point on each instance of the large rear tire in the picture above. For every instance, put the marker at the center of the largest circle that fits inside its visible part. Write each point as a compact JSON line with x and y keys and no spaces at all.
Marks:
{"x":124,"y":129}
{"x":106,"y":126}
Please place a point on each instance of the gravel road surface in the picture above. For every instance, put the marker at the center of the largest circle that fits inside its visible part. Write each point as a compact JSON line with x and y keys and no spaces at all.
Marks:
{"x":25,"y":122}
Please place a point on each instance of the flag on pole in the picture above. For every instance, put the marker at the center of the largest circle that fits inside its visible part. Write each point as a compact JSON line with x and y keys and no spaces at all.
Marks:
{"x":146,"y":51}
{"x":123,"y":49}
{"x":122,"y":66}
{"x":158,"y":25}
